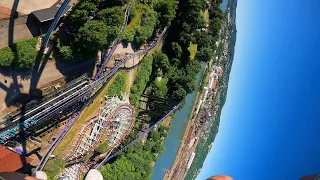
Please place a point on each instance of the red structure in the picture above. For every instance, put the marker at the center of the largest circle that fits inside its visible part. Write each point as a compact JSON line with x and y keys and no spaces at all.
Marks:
{"x":11,"y":161}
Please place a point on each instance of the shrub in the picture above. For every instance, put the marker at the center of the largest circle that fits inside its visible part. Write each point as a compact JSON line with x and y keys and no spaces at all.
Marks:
{"x":103,"y":147}
{"x":22,"y":54}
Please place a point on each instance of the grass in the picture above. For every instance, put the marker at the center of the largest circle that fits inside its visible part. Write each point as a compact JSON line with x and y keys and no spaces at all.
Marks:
{"x":118,"y":85}
{"x":193,"y":50}
{"x":206,"y":16}
{"x":131,"y":27}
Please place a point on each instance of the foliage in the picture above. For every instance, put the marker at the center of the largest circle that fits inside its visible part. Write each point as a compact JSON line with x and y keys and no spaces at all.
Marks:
{"x":117,"y":86}
{"x":130,"y":30}
{"x":6,"y":56}
{"x":21,"y":54}
{"x":112,"y":16}
{"x":103,"y":147}
{"x":91,"y":37}
{"x":205,"y":54}
{"x":66,"y":52}
{"x":175,"y":50}
{"x":161,"y":61}
{"x":53,"y":167}
{"x":135,"y":163}
{"x":159,"y":87}
{"x":140,"y":82}
{"x":146,"y":28}
{"x":80,"y":13}
{"x":166,"y":10}
{"x":112,"y":33}
{"x":86,"y":158}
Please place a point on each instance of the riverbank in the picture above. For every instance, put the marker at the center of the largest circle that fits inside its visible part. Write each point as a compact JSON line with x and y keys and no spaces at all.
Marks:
{"x":191,"y":119}
{"x":203,"y":124}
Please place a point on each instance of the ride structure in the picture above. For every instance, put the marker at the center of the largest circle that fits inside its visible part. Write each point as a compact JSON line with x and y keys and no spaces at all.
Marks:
{"x":116,"y":120}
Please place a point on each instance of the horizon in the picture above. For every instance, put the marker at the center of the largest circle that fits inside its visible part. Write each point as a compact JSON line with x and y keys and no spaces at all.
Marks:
{"x":275,"y":65}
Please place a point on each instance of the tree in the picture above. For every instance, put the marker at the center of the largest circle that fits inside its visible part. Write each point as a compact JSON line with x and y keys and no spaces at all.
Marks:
{"x":155,"y":136}
{"x":92,"y":37}
{"x":180,"y":93}
{"x":117,"y":86}
{"x":176,"y":50}
{"x":166,"y":10}
{"x":146,"y":28}
{"x":112,"y":33}
{"x":159,"y":88}
{"x":161,"y":61}
{"x":66,"y":52}
{"x":205,"y":54}
{"x":112,"y":16}
{"x":157,"y":148}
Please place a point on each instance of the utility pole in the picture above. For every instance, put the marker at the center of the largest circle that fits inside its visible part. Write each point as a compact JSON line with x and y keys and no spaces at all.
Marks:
{"x":54,"y":23}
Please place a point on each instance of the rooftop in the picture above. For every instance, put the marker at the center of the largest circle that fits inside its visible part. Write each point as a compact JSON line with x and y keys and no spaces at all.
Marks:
{"x":10,"y":161}
{"x":49,"y":13}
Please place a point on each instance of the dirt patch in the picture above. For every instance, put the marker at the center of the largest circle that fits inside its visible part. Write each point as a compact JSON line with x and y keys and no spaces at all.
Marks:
{"x":27,"y":6}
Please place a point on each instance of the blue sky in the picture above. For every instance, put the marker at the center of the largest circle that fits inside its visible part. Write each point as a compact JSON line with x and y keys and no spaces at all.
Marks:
{"x":270,"y":125}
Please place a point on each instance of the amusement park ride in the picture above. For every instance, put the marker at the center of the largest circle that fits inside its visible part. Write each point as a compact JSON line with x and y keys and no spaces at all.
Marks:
{"x":115,"y":121}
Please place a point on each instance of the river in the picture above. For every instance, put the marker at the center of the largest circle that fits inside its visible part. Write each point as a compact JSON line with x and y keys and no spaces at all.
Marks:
{"x":224,"y":5}
{"x":175,"y":134}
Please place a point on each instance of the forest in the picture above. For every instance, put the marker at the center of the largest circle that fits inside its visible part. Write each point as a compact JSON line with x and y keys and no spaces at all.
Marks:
{"x":168,"y":73}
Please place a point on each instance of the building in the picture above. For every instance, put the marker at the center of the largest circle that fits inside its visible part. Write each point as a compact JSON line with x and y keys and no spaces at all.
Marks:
{"x":11,"y":161}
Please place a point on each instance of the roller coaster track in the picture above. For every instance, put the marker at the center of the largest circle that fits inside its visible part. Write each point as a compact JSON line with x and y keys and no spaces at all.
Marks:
{"x":142,"y":135}
{"x":74,"y":170}
{"x":60,"y":104}
{"x":115,"y":118}
{"x":90,"y":89}
{"x":107,"y":55}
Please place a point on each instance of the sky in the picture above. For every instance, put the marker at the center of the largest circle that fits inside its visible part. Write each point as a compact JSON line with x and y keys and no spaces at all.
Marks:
{"x":270,"y":124}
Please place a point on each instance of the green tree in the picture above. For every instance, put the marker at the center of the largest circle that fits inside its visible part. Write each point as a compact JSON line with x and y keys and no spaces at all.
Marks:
{"x":146,"y":28}
{"x":159,"y":88}
{"x":161,"y":61}
{"x":66,"y":52}
{"x":180,"y":93}
{"x":92,"y":37}
{"x":205,"y":54}
{"x":166,"y":10}
{"x":112,"y":16}
{"x":118,"y":85}
{"x":176,"y":50}
{"x":158,"y":148}
{"x":112,"y":33}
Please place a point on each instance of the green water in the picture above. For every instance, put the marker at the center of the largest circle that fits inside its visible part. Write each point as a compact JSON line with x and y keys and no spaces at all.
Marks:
{"x":175,"y":134}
